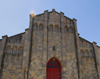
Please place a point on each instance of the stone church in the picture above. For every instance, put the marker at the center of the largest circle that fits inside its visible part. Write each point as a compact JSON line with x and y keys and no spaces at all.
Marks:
{"x":50,"y":48}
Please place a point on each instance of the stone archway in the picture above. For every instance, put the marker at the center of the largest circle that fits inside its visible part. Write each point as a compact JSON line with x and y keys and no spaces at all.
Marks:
{"x":53,"y":69}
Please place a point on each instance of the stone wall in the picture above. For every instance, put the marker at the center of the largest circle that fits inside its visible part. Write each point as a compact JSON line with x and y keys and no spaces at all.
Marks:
{"x":69,"y":57}
{"x":13,"y":58}
{"x":64,"y":49}
{"x":50,"y":34}
{"x":36,"y":69}
{"x":98,"y":59}
{"x":87,"y":61}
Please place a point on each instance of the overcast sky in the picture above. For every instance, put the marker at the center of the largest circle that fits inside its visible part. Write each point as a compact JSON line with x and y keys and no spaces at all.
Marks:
{"x":14,"y":15}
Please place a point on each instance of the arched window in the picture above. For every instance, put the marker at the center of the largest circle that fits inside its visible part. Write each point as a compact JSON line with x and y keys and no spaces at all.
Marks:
{"x":86,"y":53}
{"x":41,"y":27}
{"x":50,"y":28}
{"x":14,"y":50}
{"x":70,"y":30}
{"x":8,"y":49}
{"x":20,"y":51}
{"x":53,"y":69}
{"x":82,"y":53}
{"x":56,"y":28}
{"x":35,"y":27}
{"x":90,"y":53}
{"x":66,"y":29}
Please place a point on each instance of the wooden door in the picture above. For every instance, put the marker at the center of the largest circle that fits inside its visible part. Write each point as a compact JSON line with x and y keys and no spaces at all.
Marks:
{"x":53,"y":69}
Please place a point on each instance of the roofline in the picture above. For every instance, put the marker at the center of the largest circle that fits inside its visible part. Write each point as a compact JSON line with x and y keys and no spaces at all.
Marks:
{"x":39,"y":14}
{"x":17,"y":34}
{"x":98,"y":46}
{"x":84,"y":39}
{"x":55,"y":12}
{"x":88,"y":41}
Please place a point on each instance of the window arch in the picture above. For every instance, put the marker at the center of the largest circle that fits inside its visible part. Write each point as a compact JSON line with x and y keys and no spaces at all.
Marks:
{"x":86,"y":53}
{"x":14,"y":50}
{"x":20,"y":51}
{"x":8,"y":49}
{"x":70,"y":30}
{"x":82,"y":53}
{"x":53,"y":69}
{"x":50,"y":27}
{"x":66,"y":29}
{"x":56,"y":28}
{"x":41,"y":27}
{"x":90,"y":53}
{"x":35,"y":26}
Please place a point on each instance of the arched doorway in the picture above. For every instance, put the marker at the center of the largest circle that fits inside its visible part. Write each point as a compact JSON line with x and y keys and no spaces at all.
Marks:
{"x":53,"y":69}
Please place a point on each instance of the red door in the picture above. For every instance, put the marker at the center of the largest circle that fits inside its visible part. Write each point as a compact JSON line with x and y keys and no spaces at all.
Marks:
{"x":53,"y":69}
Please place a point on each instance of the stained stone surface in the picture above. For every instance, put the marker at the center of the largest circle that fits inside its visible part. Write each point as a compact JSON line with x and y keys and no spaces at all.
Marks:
{"x":25,"y":55}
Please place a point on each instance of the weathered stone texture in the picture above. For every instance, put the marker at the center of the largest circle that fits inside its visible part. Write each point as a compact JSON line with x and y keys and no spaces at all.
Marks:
{"x":98,"y":60}
{"x":12,"y":65}
{"x":88,"y":70}
{"x":87,"y":61}
{"x":54,"y":16}
{"x":84,"y":43}
{"x":12,"y":68}
{"x":50,"y":35}
{"x":36,"y":69}
{"x":39,"y":17}
{"x":37,"y":55}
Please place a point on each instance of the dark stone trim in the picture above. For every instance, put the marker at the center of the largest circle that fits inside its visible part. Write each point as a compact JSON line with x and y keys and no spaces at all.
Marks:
{"x":95,"y":61}
{"x":30,"y":47}
{"x":3,"y":56}
{"x":98,"y":46}
{"x":85,"y":40}
{"x":68,"y":18}
{"x":16,"y":35}
{"x":78,"y":69}
{"x":24,"y":74}
{"x":47,"y":33}
{"x":4,"y":36}
{"x":61,"y":43}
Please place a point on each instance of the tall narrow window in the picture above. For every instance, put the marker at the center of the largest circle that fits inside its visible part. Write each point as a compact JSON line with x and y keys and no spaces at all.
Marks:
{"x":56,"y":28}
{"x":90,"y":53}
{"x":35,"y":26}
{"x":20,"y":51}
{"x":86,"y":53}
{"x":70,"y":30}
{"x":54,"y":48}
{"x":50,"y":27}
{"x":14,"y":50}
{"x":66,"y":29}
{"x":82,"y":53}
{"x":8,"y":49}
{"x":41,"y":27}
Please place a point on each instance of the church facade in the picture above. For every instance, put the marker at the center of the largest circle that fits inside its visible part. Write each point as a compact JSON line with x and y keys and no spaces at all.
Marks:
{"x":50,"y":48}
